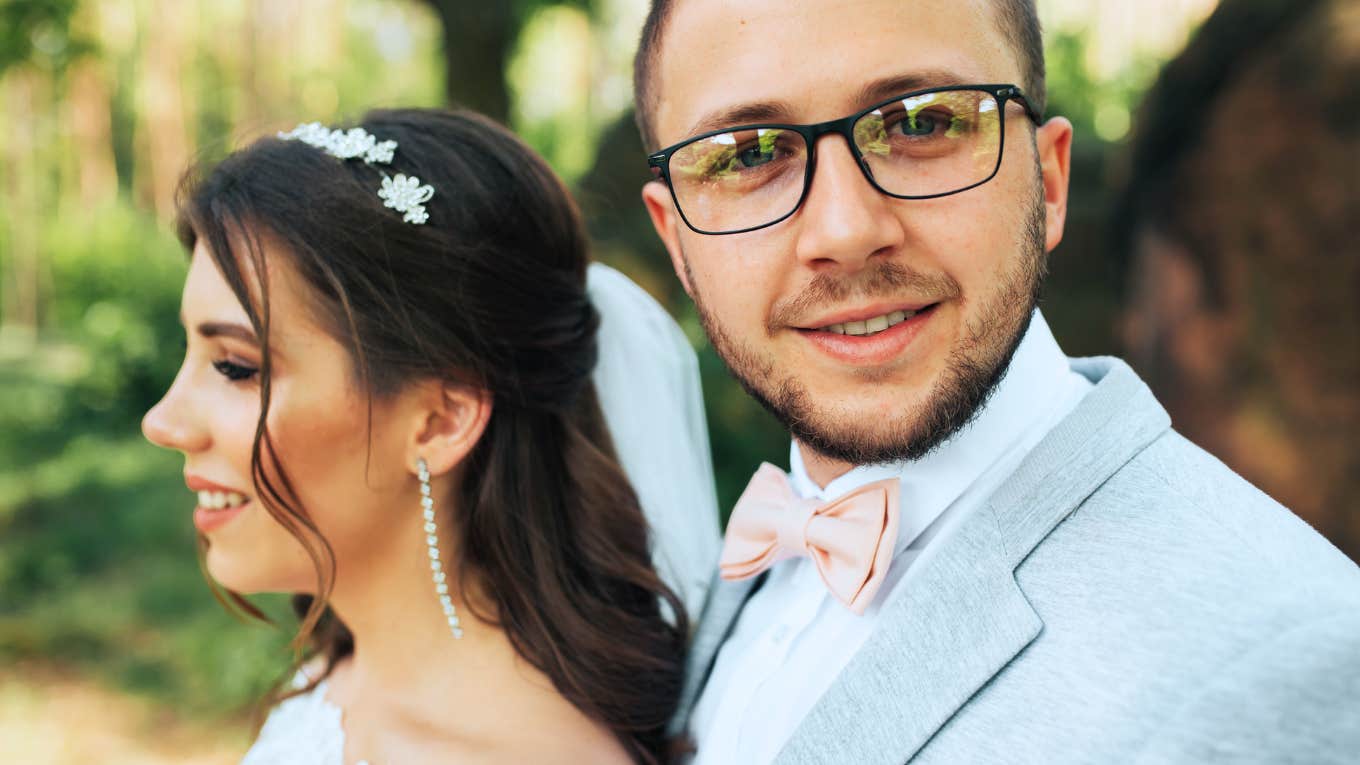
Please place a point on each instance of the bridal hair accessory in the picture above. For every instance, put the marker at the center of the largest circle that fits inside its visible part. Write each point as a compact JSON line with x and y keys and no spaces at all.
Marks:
{"x":441,"y":585}
{"x":402,"y":193}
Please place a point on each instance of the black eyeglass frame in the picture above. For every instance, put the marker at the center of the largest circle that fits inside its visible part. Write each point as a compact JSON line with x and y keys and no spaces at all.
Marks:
{"x":659,"y":162}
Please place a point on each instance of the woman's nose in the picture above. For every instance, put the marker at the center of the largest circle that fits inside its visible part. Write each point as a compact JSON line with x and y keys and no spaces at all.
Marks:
{"x":172,"y":424}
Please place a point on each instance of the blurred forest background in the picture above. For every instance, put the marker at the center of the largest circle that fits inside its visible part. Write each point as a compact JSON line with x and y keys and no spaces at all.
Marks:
{"x":1211,"y":241}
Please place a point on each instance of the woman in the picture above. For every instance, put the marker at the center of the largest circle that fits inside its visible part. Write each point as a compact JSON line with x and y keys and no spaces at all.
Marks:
{"x":386,"y":404}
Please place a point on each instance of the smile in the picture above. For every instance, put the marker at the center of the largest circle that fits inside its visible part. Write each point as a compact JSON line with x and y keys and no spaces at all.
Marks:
{"x":217,"y":505}
{"x":871,"y":342}
{"x":220,"y":500}
{"x":870,"y":326}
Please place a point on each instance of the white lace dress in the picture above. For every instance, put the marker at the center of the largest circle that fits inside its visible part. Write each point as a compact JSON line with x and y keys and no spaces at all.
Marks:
{"x":304,"y":730}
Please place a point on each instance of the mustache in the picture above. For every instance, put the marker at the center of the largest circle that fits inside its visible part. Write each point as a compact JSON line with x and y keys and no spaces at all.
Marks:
{"x":883,"y":282}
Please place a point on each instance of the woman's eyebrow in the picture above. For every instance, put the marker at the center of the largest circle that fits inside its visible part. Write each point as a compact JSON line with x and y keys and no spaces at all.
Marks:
{"x":224,"y":329}
{"x":238,"y":331}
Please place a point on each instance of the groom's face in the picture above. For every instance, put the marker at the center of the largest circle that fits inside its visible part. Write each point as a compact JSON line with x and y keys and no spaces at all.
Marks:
{"x":968,"y":264}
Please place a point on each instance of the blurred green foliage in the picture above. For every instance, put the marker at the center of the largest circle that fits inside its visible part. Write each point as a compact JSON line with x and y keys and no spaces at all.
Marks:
{"x":97,"y":569}
{"x":39,"y":31}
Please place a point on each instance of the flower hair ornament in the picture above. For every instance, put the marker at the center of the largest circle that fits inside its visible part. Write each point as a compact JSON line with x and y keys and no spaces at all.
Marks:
{"x":402,"y":193}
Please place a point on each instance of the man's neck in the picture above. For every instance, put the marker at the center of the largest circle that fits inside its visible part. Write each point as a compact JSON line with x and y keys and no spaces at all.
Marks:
{"x":820,"y":468}
{"x":1036,"y":375}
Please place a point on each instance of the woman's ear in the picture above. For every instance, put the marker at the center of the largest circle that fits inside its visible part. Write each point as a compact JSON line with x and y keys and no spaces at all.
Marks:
{"x":451,"y":422}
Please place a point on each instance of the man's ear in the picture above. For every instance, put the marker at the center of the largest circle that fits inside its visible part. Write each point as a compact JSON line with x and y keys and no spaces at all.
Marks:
{"x":656,"y":196}
{"x":1053,"y":140}
{"x":449,"y":423}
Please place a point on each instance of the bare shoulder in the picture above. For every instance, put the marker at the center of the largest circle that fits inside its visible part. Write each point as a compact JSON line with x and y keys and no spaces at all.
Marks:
{"x":545,"y":741}
{"x":566,"y":735}
{"x":598,"y":750}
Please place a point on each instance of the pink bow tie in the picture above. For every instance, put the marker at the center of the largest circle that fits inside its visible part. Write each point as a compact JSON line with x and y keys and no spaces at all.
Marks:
{"x":850,"y":539}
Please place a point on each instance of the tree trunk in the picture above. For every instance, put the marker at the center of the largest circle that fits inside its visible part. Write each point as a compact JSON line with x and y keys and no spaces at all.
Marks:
{"x":477,"y":42}
{"x":89,"y":101}
{"x":24,"y":192}
{"x":166,"y":138}
{"x":1243,"y":314}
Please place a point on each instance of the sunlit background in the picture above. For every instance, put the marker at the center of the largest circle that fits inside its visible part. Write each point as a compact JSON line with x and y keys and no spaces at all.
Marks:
{"x":1211,"y":242}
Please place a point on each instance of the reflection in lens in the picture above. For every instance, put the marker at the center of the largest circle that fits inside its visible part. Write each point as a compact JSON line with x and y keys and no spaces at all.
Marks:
{"x":931,"y":143}
{"x":924,"y":145}
{"x":739,"y":179}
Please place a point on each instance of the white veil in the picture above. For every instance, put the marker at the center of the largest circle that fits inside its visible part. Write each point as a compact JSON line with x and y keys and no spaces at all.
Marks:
{"x":648,"y":384}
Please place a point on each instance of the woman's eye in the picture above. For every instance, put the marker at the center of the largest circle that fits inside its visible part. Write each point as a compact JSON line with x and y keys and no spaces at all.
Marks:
{"x":233,"y":372}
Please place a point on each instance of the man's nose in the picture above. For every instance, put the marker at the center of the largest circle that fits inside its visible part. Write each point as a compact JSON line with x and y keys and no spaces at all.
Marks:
{"x":844,"y":220}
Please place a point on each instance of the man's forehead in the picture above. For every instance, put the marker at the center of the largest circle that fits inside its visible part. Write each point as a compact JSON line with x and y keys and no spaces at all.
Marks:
{"x":813,"y":60}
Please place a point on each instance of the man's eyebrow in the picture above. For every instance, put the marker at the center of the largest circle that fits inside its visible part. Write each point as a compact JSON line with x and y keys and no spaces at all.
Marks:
{"x":895,"y":85}
{"x":779,"y":111}
{"x":741,"y":114}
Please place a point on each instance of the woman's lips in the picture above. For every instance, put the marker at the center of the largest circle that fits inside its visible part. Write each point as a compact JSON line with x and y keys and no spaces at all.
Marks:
{"x":870,"y":350}
{"x":217,"y":504}
{"x":208,"y":519}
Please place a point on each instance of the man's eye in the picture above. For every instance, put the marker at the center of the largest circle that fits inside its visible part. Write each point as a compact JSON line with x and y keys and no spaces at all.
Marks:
{"x":754,"y":156}
{"x":918,"y":124}
{"x":233,"y":372}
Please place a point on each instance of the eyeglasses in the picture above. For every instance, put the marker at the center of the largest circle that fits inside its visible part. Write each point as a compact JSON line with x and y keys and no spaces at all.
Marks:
{"x":925,"y":144}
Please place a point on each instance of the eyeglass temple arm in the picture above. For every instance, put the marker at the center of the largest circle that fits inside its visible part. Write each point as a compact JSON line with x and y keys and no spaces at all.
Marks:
{"x":1019,"y":96}
{"x":655,"y":164}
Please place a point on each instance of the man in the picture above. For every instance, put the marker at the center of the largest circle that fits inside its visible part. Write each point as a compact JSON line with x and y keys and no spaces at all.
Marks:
{"x":984,"y":551}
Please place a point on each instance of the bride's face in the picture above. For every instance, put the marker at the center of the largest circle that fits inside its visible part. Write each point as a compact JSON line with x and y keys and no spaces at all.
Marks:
{"x":350,"y":479}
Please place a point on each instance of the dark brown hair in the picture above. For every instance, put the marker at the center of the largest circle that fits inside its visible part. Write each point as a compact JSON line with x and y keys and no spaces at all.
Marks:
{"x":1017,"y":19}
{"x":489,"y":292}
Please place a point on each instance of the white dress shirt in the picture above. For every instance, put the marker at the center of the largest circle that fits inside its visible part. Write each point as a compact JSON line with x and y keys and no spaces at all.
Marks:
{"x":793,"y":637}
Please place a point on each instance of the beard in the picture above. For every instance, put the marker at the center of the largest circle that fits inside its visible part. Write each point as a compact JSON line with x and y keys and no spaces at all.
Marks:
{"x":974,"y":367}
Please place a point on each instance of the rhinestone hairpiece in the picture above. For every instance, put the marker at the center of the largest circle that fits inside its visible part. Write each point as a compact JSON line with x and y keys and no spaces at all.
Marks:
{"x":403,"y":193}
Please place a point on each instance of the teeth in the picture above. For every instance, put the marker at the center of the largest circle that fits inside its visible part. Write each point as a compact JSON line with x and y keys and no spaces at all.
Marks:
{"x":870,"y":326}
{"x":219,"y":500}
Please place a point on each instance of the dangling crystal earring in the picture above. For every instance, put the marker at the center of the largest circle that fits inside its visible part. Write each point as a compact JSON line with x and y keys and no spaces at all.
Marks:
{"x":441,"y":585}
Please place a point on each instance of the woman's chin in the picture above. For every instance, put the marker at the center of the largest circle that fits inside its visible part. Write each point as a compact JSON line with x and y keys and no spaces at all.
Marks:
{"x":243,"y":574}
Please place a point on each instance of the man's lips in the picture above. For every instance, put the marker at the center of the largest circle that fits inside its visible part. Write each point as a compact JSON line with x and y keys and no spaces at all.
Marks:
{"x":863,"y":313}
{"x":871,"y":350}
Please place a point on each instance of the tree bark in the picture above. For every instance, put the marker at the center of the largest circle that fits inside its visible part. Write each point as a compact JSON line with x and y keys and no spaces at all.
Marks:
{"x":477,"y":41}
{"x":1243,"y":312}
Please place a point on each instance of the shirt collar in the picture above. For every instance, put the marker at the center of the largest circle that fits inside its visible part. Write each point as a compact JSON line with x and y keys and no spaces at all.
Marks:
{"x":1024,"y":399}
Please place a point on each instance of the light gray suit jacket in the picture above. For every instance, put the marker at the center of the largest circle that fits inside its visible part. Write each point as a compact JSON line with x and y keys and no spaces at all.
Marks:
{"x":1124,"y":597}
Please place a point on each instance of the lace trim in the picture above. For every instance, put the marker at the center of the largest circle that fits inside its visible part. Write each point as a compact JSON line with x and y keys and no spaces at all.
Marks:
{"x":304,"y":730}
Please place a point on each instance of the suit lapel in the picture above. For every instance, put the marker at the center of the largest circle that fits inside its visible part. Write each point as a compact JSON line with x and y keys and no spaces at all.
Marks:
{"x":959,"y":616}
{"x":716,"y":621}
{"x":959,"y":619}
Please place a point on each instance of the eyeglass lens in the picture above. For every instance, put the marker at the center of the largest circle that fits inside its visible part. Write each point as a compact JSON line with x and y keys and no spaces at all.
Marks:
{"x":923,"y":145}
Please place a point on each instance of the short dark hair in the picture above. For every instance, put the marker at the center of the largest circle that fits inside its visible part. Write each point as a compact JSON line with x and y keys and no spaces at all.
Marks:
{"x":1018,"y":19}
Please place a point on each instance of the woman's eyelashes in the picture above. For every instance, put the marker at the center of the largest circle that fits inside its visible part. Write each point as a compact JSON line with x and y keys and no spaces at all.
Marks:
{"x":234,"y":371}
